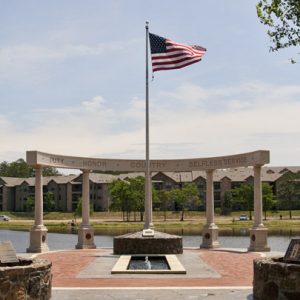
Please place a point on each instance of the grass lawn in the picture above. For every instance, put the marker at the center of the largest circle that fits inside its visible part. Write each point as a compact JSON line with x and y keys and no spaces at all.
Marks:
{"x":194,"y":220}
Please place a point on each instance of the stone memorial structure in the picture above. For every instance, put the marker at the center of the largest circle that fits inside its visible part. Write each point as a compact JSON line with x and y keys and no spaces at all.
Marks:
{"x":278,"y":277}
{"x":22,"y":278}
{"x":137,"y":243}
{"x":256,"y":159}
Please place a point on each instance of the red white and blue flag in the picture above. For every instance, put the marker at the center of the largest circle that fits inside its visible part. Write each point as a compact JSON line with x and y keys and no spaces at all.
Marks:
{"x":167,"y":54}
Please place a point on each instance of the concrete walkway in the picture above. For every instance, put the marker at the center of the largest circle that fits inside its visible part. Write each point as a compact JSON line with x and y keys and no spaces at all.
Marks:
{"x":211,"y":274}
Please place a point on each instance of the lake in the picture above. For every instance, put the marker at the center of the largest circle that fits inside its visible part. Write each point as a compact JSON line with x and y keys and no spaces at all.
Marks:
{"x":278,"y":241}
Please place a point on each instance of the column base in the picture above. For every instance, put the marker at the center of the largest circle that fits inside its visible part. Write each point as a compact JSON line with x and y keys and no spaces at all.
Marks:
{"x":210,"y":237}
{"x":85,"y":238}
{"x":38,"y":240}
{"x":259,"y":240}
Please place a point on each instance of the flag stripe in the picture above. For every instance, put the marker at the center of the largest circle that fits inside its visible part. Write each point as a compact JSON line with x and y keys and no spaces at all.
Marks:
{"x":173,"y":60}
{"x":167,"y":54}
{"x":172,"y":67}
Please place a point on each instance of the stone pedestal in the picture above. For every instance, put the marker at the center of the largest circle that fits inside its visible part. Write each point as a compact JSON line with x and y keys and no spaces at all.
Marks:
{"x":275,"y":279}
{"x":86,"y":238}
{"x":38,"y":240}
{"x":210,"y":237}
{"x":258,"y":240}
{"x":136,"y":243}
{"x":28,"y":279}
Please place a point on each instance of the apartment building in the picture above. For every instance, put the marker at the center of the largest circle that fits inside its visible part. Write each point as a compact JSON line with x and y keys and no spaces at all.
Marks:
{"x":67,"y":190}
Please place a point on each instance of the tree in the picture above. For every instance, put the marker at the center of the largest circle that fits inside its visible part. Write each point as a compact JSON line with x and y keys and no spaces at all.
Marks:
{"x":227,"y":203}
{"x":18,"y":168}
{"x":50,"y":171}
{"x":243,"y":196}
{"x":283,"y":19}
{"x":185,"y":197}
{"x":286,"y":192}
{"x":21,"y":169}
{"x":4,"y":168}
{"x":49,"y":203}
{"x":29,"y":204}
{"x":268,"y":198}
{"x":128,"y":196}
{"x":137,"y":195}
{"x":78,"y":210}
{"x":119,"y":191}
{"x":164,"y":198}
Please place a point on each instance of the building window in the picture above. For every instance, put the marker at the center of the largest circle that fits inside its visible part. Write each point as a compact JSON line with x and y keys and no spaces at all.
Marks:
{"x":217,"y":185}
{"x":217,"y":196}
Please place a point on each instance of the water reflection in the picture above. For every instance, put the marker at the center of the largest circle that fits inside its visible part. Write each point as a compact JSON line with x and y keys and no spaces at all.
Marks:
{"x":181,"y":231}
{"x":278,"y":240}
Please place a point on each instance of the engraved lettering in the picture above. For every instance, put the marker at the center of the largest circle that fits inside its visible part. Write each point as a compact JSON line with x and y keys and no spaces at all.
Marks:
{"x":94,"y":163}
{"x":56,"y":160}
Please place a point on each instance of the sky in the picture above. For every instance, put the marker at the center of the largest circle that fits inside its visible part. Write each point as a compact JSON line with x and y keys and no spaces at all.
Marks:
{"x":72,"y":81}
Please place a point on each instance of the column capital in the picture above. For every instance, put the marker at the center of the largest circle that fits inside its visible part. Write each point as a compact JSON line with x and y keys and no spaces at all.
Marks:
{"x":85,"y":171}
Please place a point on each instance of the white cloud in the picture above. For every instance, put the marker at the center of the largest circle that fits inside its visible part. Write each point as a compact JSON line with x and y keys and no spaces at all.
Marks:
{"x":21,"y":60}
{"x":253,"y":116}
{"x":94,"y":104}
{"x":43,"y":53}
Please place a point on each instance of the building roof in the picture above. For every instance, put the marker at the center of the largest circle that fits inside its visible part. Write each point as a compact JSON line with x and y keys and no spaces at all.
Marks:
{"x":12,"y":181}
{"x":268,"y":174}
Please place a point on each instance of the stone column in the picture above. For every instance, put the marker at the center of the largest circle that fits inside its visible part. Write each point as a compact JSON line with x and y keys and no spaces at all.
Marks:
{"x":210,"y":230}
{"x":258,"y":233}
{"x":38,"y":233}
{"x":85,"y":232}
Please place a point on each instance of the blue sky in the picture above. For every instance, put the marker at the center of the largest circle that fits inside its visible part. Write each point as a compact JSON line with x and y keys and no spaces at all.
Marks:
{"x":72,"y":81}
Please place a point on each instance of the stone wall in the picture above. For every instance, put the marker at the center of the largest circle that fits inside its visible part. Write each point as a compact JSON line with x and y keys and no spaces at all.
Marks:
{"x":135,"y":243}
{"x":274,"y":279}
{"x":30,"y":279}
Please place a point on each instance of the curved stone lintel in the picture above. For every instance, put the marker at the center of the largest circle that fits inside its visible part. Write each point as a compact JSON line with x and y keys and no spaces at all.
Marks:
{"x":259,"y":157}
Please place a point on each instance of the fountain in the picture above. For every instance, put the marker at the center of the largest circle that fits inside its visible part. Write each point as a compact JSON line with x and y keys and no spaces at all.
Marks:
{"x":148,"y":264}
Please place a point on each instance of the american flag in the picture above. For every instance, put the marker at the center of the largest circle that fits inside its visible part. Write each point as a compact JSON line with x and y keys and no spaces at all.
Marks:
{"x":167,"y":54}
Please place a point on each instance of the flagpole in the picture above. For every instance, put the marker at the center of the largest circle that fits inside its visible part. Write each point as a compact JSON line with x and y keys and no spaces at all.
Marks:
{"x":148,"y":184}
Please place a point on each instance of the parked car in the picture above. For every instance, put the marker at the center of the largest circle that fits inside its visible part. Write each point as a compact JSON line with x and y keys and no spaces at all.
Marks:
{"x":4,"y":218}
{"x":243,"y":217}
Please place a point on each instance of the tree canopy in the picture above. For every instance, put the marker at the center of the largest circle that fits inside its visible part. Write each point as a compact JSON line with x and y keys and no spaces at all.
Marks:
{"x":185,"y":197}
{"x":287,"y":192}
{"x":128,"y":196}
{"x":243,"y":197}
{"x":21,"y":169}
{"x":283,"y":19}
{"x":268,"y":198}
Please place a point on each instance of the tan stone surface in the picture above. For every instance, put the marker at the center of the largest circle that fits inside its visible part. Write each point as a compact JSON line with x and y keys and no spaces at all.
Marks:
{"x":259,"y":157}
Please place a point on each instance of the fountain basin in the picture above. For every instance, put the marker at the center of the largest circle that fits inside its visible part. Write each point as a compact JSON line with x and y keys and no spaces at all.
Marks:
{"x":160,"y":264}
{"x":141,"y":262}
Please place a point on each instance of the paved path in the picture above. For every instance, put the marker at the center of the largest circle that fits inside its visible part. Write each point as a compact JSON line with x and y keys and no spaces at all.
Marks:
{"x":211,"y":274}
{"x":205,"y":268}
{"x":153,"y":294}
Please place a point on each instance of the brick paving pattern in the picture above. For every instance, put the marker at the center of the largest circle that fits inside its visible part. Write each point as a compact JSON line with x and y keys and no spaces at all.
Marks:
{"x":236,"y":269}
